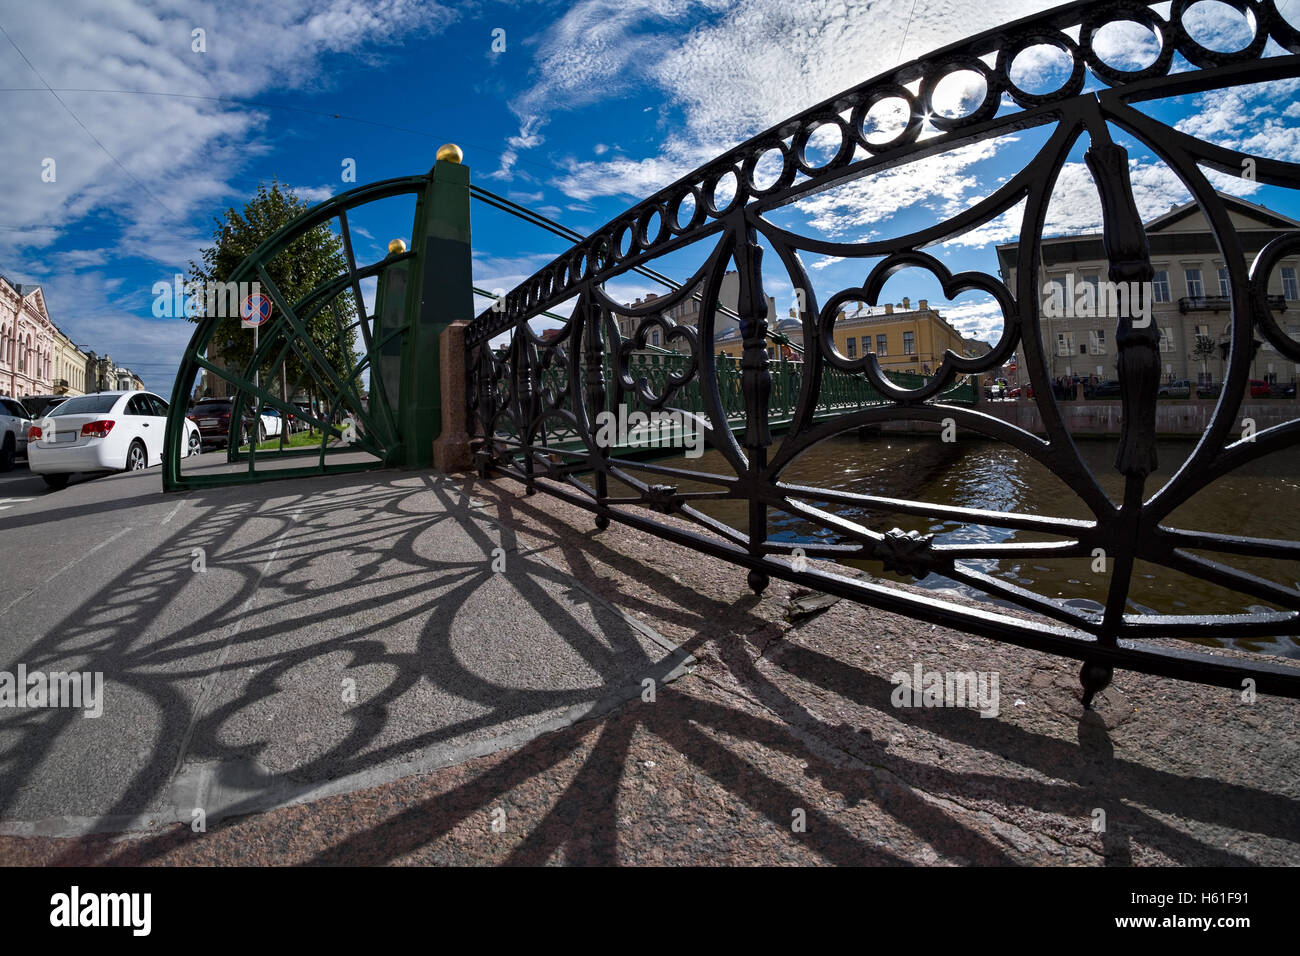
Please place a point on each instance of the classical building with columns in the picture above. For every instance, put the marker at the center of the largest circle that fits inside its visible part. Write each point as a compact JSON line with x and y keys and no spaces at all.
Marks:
{"x":26,"y":341}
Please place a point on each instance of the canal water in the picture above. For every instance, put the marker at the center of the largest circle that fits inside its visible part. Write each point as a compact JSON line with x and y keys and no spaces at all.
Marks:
{"x":1259,"y":500}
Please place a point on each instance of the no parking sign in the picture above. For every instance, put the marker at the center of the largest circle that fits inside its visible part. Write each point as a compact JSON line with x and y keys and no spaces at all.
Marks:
{"x":254,"y":310}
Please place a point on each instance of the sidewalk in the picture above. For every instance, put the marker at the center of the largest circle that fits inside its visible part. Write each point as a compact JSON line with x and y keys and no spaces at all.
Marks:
{"x":345,"y":631}
{"x":780,"y":746}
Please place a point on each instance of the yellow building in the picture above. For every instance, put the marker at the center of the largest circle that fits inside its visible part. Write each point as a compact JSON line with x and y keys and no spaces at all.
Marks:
{"x":904,"y":339}
{"x":69,"y":373}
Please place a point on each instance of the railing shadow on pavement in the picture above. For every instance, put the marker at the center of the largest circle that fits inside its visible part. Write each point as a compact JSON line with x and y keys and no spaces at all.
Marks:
{"x":394,"y":610}
{"x":584,"y":820}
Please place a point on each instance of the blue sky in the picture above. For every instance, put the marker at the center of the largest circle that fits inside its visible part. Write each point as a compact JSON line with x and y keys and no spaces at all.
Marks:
{"x":591,"y":106}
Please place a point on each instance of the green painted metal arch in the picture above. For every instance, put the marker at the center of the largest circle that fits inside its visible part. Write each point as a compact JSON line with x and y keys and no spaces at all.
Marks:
{"x":289,"y":315}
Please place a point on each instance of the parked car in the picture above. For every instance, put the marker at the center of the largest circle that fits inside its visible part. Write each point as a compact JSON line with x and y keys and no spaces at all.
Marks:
{"x":38,"y":405}
{"x":107,"y":431}
{"x":14,"y":423}
{"x":1209,"y":389}
{"x":272,"y":423}
{"x":998,"y":389}
{"x":1283,"y":389}
{"x":1107,"y":389}
{"x":1260,"y":388}
{"x":1015,"y":392}
{"x":1181,"y":388}
{"x":304,"y":419}
{"x":212,"y":418}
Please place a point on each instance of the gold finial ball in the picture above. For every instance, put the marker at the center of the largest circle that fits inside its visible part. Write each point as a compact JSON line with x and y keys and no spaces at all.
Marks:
{"x":451,"y":153}
{"x":396,"y":246}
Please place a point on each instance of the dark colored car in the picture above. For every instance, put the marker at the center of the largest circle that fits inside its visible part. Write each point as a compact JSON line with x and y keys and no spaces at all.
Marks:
{"x":296,"y":422}
{"x":1107,"y":389}
{"x":1209,"y":390}
{"x":212,"y":415}
{"x":1282,"y":390}
{"x":41,"y":405}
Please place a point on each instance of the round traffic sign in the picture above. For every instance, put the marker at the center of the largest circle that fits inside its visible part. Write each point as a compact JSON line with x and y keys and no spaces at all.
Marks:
{"x":255,"y":309}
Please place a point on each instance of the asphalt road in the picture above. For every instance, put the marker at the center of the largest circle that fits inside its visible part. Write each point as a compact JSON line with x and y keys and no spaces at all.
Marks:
{"x":275,"y":642}
{"x":19,"y":486}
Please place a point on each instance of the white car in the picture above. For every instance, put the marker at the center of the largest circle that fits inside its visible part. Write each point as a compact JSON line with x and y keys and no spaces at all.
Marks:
{"x":107,"y":431}
{"x":271,"y":422}
{"x":14,"y":422}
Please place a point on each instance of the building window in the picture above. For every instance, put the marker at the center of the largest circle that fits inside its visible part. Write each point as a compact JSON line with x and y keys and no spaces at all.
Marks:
{"x":882,"y":345}
{"x":1090,"y":302}
{"x":654,"y":337}
{"x":1083,"y":349}
{"x":1097,"y":341}
{"x":1195,"y":288}
{"x":1289,"y":286}
{"x":1063,"y":344}
{"x":853,"y":347}
{"x":1202,"y":330}
{"x":1223,"y":283}
{"x":909,"y":343}
{"x":1160,"y":286}
{"x":1166,"y":340}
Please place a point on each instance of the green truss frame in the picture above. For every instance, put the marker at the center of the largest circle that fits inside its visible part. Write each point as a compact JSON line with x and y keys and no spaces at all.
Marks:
{"x":421,"y":292}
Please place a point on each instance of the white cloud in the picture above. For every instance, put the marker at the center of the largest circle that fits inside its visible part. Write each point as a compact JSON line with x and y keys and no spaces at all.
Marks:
{"x":980,"y":319}
{"x":877,"y":197}
{"x":1126,"y":45}
{"x":740,"y":69}
{"x":1246,"y":118}
{"x":312,"y":194}
{"x":180,"y":153}
{"x":621,"y":176}
{"x":1075,"y":207}
{"x":1216,"y":26}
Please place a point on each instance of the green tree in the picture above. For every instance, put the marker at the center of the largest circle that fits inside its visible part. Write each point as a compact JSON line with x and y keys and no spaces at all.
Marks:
{"x":308,"y":261}
{"x":1202,"y":349}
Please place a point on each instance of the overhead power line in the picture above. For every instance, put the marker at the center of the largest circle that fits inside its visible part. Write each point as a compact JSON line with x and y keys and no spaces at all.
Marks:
{"x":120,"y":165}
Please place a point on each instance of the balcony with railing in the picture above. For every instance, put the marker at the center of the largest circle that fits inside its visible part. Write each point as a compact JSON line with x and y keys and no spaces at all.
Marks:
{"x":1222,"y":303}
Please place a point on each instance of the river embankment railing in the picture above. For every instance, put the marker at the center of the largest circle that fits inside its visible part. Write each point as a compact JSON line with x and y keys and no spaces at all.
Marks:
{"x":525,"y":384}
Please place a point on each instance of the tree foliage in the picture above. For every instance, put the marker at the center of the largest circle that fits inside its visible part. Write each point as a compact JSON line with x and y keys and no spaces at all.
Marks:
{"x":308,"y":261}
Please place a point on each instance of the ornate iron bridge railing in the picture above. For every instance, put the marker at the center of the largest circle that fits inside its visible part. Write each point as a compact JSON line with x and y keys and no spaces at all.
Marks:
{"x":840,"y":391}
{"x":536,"y":385}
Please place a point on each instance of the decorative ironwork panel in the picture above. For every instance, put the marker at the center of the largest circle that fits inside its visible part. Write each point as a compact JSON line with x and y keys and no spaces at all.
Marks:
{"x":521,"y":416}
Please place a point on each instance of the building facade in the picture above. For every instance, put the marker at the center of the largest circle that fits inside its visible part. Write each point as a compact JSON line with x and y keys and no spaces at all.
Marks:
{"x":69,"y":366}
{"x":26,"y":341}
{"x":1190,"y":298}
{"x":126,"y":380}
{"x":689,"y":311}
{"x":905,"y":339}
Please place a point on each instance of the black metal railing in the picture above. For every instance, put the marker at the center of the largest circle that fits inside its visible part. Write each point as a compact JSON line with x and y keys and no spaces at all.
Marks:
{"x":539,"y":386}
